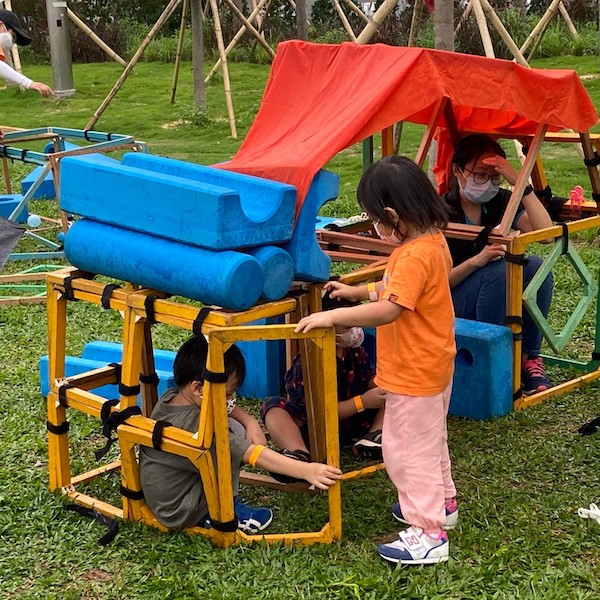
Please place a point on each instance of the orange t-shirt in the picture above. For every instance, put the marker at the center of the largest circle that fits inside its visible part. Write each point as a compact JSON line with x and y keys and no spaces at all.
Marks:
{"x":415,"y":353}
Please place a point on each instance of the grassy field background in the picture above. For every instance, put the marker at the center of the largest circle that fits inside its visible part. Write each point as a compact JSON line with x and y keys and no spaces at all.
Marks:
{"x":520,"y":478}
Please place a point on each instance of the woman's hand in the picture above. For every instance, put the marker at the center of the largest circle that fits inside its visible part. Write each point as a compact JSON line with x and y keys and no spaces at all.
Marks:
{"x":489,"y":253}
{"x":503,"y":167}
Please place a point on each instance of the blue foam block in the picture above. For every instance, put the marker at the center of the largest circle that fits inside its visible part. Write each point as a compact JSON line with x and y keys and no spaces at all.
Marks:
{"x":108,"y":352}
{"x":310,"y":262}
{"x":195,"y":212}
{"x":482,"y":387}
{"x":76,"y":366}
{"x":229,"y":279}
{"x":278,"y":268}
{"x":8,"y":203}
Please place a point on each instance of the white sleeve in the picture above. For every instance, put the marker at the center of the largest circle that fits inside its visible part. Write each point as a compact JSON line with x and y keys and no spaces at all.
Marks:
{"x":8,"y":73}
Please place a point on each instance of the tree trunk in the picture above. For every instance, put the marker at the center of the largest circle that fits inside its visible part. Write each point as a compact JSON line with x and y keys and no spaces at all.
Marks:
{"x":443,"y":19}
{"x":198,"y":54}
{"x":301,"y":20}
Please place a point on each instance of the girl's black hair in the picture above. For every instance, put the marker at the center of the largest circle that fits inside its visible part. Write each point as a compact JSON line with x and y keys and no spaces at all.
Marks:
{"x":471,"y":147}
{"x":397,"y":182}
{"x":190,"y":362}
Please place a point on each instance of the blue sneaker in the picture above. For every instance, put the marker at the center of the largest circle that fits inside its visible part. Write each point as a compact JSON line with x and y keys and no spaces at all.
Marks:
{"x":415,"y":547}
{"x":252,"y":519}
{"x":451,"y":515}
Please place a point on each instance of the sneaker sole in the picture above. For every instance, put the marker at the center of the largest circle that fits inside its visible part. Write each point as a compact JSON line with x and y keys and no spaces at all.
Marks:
{"x":257,"y":529}
{"x":445,"y":527}
{"x":422,"y":561}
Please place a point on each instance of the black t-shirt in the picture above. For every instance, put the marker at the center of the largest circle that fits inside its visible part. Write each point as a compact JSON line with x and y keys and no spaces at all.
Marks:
{"x":491,"y":214}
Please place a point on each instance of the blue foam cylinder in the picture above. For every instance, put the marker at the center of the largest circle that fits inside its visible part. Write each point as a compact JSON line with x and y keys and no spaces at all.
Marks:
{"x":482,"y":387}
{"x":278,"y":268}
{"x":229,"y":279}
{"x":8,"y":203}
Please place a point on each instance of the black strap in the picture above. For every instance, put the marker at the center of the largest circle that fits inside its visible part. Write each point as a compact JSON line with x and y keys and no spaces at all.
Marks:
{"x":105,"y":408}
{"x":118,"y":369}
{"x":149,"y":306}
{"x":595,"y":197}
{"x":85,"y":134}
{"x":57,"y":429}
{"x":131,"y":494}
{"x":518,"y":394}
{"x":592,"y":162}
{"x":514,"y":320}
{"x":595,"y":355}
{"x":107,"y":293}
{"x":482,"y":238}
{"x":225,"y":527}
{"x":333,"y":247}
{"x":565,"y":238}
{"x":69,"y":293}
{"x":197,"y":324}
{"x":111,"y":524}
{"x":129,"y":390}
{"x":152,"y":378}
{"x":213,"y":377}
{"x":157,"y":433}
{"x":62,"y":394}
{"x":517,"y":259}
{"x":111,"y":423}
{"x":24,"y":152}
{"x":590,"y":427}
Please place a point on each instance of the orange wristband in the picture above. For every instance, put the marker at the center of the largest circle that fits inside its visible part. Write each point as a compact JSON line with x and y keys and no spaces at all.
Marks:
{"x":372,"y":289}
{"x":358,"y":403}
{"x":255,"y":454}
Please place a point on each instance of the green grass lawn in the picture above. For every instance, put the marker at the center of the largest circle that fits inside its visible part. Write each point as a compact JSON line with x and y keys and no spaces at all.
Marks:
{"x":520,"y":478}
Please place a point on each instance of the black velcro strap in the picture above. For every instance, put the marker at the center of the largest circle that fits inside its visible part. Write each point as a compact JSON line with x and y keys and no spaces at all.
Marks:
{"x":129,"y":390}
{"x":592,"y":162}
{"x":149,"y":306}
{"x":69,"y":293}
{"x":111,"y":524}
{"x":482,"y":238}
{"x":111,"y":423}
{"x":118,"y":368}
{"x":513,"y":320}
{"x":62,"y":393}
{"x":105,"y":408}
{"x":85,"y":134}
{"x":131,"y":494}
{"x":57,"y":429}
{"x":24,"y":152}
{"x":589,"y":428}
{"x":213,"y":377}
{"x":517,"y":259}
{"x":596,"y":197}
{"x":518,"y":394}
{"x":157,"y":433}
{"x":226,"y":527}
{"x":197,"y":324}
{"x":565,"y":238}
{"x":152,"y":378}
{"x":595,"y":355}
{"x":107,"y":293}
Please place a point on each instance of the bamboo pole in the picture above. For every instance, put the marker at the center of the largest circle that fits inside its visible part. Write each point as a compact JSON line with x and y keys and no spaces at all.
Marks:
{"x":95,"y":38}
{"x":254,"y":15}
{"x":415,"y":22}
{"x":565,"y":15}
{"x":357,"y":10}
{"x":180,"y":40}
{"x":140,"y":51}
{"x":506,"y":38}
{"x":376,"y":20}
{"x":542,"y":24}
{"x":464,"y":17}
{"x":250,"y":28}
{"x":483,"y":29}
{"x":344,"y":20}
{"x":221,"y":46}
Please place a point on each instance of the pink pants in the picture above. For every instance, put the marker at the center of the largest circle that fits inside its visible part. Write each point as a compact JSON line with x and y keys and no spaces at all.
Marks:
{"x":415,"y":452}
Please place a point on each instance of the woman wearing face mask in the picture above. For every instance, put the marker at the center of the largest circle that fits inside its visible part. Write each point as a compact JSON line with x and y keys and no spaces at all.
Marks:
{"x":478,"y":277}
{"x":11,"y":32}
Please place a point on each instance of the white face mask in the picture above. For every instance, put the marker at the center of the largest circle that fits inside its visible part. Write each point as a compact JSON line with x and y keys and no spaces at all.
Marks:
{"x":352,"y":338}
{"x":6,"y":42}
{"x":390,"y":239}
{"x":479,"y":193}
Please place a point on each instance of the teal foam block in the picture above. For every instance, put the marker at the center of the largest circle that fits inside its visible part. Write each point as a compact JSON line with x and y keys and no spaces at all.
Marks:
{"x":46,"y":188}
{"x":310,"y":262}
{"x":278,"y":268}
{"x":8,"y":203}
{"x":75,"y":365}
{"x":482,"y":387}
{"x":229,"y":279}
{"x":208,"y":215}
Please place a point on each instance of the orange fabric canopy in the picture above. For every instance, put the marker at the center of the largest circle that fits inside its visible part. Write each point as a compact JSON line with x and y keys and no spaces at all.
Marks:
{"x":321,"y":98}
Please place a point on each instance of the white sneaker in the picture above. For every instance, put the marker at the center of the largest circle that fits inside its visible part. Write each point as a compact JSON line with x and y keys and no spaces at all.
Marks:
{"x":415,"y":547}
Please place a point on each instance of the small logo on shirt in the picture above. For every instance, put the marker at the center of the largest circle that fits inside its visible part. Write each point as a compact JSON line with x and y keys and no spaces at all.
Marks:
{"x":393,"y":298}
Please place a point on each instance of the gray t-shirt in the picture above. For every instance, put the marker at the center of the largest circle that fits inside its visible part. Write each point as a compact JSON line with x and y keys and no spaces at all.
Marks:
{"x":171,"y":483}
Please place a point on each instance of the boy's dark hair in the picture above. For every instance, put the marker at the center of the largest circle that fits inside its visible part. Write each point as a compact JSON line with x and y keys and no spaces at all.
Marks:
{"x":397,"y":182}
{"x":471,"y":147}
{"x":190,"y":362}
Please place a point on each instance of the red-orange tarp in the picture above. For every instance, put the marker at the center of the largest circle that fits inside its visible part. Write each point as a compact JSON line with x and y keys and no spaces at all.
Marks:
{"x":321,"y":98}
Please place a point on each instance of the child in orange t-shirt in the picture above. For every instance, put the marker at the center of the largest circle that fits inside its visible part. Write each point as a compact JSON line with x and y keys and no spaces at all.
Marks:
{"x":412,"y":310}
